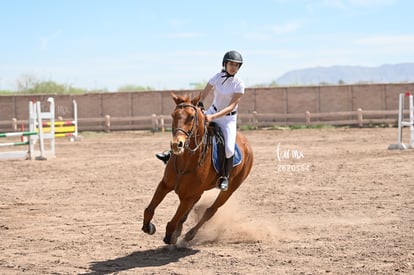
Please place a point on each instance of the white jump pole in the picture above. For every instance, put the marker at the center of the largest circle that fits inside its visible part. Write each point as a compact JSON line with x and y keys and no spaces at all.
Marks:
{"x":402,"y":123}
{"x":32,"y":128}
{"x":75,"y":117}
{"x":51,"y":116}
{"x":411,"y":121}
{"x":36,"y":124}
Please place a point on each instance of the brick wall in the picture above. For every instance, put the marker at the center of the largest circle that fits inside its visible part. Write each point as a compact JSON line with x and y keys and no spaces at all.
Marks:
{"x":281,"y":100}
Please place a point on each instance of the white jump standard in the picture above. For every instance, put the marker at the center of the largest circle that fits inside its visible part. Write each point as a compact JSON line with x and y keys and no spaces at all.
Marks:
{"x":402,"y":123}
{"x":35,"y":134}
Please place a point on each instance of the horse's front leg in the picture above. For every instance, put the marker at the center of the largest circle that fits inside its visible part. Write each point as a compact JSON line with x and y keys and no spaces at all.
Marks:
{"x":160,"y":193}
{"x":175,"y":226}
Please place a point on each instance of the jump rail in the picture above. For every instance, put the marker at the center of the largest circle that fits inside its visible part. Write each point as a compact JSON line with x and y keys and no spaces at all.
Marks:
{"x":68,"y":129}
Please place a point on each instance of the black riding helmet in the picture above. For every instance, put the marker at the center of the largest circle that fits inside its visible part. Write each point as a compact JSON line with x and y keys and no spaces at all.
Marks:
{"x":233,"y":56}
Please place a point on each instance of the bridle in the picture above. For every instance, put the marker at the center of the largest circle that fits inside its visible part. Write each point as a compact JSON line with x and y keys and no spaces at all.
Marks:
{"x":192,"y":133}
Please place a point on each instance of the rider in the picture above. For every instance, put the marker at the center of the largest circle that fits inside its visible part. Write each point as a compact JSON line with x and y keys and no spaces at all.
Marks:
{"x":228,"y":90}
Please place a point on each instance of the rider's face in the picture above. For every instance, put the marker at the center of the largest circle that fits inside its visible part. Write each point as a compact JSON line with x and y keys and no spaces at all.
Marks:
{"x":232,"y":67}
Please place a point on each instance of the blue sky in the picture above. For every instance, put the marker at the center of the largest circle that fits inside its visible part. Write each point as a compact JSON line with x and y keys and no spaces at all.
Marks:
{"x":95,"y":44}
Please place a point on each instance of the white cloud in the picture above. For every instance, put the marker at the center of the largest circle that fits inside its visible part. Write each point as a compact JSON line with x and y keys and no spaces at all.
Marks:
{"x":176,"y":22}
{"x":285,"y":28}
{"x":183,"y":35}
{"x":386,"y":40}
{"x":267,"y":32}
{"x":345,"y":4}
{"x":279,"y":54}
{"x":44,"y":42}
{"x":371,"y":2}
{"x":257,"y":36}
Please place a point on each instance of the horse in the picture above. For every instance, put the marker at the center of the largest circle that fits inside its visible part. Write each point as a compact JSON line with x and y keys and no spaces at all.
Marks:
{"x":190,"y":172}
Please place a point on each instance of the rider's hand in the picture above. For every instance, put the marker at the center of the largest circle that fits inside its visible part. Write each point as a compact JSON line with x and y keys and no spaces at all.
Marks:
{"x":209,"y":118}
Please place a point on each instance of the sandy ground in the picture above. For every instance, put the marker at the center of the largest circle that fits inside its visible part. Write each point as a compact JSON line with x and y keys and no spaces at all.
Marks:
{"x":320,"y":201}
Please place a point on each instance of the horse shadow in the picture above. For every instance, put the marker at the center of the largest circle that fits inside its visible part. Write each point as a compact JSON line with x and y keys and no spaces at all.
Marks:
{"x":147,"y":258}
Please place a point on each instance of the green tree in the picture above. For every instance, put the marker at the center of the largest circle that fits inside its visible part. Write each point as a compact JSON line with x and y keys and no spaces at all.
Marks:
{"x":198,"y":85}
{"x":47,"y":87}
{"x":133,"y":88}
{"x":6,"y":92}
{"x":26,"y":82}
{"x":273,"y":84}
{"x":270,"y":85}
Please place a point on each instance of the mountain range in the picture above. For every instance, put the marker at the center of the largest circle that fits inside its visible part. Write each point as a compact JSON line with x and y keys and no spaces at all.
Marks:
{"x":395,"y":73}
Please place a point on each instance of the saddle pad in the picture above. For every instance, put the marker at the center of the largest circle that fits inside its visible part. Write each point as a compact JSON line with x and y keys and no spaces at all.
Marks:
{"x":216,"y":162}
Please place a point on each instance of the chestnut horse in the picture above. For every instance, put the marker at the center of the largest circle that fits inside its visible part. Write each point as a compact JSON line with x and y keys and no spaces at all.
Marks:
{"x":190,"y":171}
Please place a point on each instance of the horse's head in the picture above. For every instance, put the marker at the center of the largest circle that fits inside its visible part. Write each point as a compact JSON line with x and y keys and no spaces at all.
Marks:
{"x":186,"y":119}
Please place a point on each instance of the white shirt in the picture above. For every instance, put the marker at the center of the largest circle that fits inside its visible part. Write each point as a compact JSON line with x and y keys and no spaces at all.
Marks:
{"x":223,"y":92}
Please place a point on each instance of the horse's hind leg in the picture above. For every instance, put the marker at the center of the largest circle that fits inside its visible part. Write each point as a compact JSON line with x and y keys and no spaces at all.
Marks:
{"x":160,"y":193}
{"x":208,"y":213}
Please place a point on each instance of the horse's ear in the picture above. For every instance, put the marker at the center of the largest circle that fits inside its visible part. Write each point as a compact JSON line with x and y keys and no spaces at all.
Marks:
{"x":176,"y":98}
{"x":196,"y":99}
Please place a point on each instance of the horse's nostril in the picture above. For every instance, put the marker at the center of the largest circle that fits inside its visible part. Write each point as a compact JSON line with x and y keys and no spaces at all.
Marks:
{"x":180,"y":144}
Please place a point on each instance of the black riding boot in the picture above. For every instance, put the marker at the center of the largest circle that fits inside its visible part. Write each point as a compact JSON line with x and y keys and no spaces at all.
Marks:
{"x":164,"y":156}
{"x":225,"y":174}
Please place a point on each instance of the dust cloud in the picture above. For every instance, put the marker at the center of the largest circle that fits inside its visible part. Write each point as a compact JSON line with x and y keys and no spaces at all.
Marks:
{"x":230,"y":223}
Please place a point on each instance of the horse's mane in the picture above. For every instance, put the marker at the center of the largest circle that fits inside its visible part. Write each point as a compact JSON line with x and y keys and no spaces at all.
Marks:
{"x":186,"y":98}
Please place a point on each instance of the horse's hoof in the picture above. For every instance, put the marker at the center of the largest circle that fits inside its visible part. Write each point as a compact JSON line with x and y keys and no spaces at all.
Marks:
{"x":190,"y":235}
{"x":170,"y":238}
{"x":167,"y":239}
{"x":149,"y":229}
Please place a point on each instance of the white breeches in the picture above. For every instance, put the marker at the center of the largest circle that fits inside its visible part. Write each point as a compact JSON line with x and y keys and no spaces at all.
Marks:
{"x":228,"y":125}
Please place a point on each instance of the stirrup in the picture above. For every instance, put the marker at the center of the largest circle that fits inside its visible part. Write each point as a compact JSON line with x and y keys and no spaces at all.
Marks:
{"x":223,"y":183}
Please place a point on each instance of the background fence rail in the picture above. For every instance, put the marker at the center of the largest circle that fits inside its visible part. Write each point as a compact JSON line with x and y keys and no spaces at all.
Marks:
{"x":334,"y":104}
{"x":254,"y":120}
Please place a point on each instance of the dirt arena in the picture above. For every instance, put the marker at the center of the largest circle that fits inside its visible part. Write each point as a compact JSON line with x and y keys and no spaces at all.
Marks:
{"x":318,"y":201}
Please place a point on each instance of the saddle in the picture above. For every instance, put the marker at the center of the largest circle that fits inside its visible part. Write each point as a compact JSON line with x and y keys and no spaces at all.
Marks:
{"x":216,"y":140}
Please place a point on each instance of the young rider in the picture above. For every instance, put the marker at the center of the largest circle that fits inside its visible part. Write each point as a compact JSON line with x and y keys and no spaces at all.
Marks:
{"x":228,"y":90}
